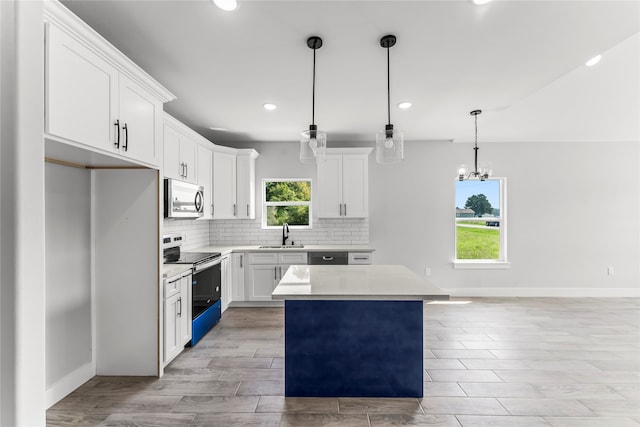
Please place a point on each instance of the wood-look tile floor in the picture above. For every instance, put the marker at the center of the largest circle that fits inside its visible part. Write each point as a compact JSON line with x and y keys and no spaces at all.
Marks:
{"x":494,"y":362}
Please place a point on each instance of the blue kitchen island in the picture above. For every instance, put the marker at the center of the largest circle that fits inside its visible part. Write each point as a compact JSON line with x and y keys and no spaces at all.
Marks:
{"x":354,"y":330}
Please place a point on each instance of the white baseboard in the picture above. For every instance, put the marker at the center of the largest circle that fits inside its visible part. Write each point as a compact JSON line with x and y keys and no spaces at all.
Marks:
{"x":69,"y":383}
{"x":256,"y":304}
{"x":545,"y":292}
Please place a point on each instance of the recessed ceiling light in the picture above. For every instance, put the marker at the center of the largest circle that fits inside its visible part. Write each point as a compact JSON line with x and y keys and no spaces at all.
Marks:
{"x":228,"y":5}
{"x":269,"y":107}
{"x":480,"y":2}
{"x":404,"y":105}
{"x":593,"y":61}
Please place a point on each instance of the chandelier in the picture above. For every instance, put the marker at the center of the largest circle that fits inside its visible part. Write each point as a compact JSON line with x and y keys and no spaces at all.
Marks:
{"x":481,"y":171}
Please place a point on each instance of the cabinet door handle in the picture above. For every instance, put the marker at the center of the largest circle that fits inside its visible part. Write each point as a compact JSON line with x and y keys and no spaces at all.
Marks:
{"x":327,"y":258}
{"x":340,"y":209}
{"x":186,"y":170}
{"x":234,"y":210}
{"x":275,"y":273}
{"x":360,"y":257}
{"x":247,"y":210}
{"x":117,"y":125}
{"x":241,"y":257}
{"x":126,"y":137}
{"x":345,"y":209}
{"x":211,"y":210}
{"x":180,"y":307}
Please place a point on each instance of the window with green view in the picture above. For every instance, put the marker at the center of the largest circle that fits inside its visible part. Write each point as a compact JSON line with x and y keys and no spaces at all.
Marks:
{"x":286,"y":201}
{"x":481,"y":220}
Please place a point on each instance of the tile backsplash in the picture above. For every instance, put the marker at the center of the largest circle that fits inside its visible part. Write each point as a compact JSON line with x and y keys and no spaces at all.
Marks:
{"x":340,"y":231}
{"x":194,"y":232}
{"x":198,"y":233}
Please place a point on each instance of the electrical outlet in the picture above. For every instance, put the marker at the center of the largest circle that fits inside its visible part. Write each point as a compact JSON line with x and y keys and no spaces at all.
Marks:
{"x":610,"y":271}
{"x":427,"y":271}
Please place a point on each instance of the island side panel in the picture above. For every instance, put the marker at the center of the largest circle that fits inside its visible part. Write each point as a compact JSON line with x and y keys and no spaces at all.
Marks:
{"x":353,"y":348}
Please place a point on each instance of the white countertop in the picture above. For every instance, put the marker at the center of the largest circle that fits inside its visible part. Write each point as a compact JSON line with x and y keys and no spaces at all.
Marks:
{"x":375,"y":282}
{"x":307,"y":248}
{"x":170,"y":270}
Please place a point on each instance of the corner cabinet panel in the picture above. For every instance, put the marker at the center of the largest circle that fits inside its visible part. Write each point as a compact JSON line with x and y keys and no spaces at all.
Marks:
{"x":224,"y":186}
{"x":127,"y":271}
{"x":140,"y":125}
{"x":330,"y":186}
{"x":81,"y":92}
{"x":246,"y":184}
{"x":205,"y":179}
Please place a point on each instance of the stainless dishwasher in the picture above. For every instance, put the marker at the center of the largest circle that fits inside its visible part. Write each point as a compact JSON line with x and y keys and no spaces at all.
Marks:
{"x":328,"y":258}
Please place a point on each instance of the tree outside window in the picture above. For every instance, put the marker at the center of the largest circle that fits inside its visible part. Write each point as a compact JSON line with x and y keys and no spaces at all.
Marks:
{"x":286,"y":201}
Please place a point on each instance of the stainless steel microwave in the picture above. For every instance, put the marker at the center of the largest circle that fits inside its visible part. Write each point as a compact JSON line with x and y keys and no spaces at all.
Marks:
{"x":182,"y":199}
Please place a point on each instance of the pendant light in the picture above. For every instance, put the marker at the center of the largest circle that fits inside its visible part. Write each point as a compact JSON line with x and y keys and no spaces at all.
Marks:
{"x":482,"y":173}
{"x":389,"y":142}
{"x":313,"y":143}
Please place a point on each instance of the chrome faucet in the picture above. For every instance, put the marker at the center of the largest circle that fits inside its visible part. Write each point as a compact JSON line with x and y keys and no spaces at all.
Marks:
{"x":285,"y":233}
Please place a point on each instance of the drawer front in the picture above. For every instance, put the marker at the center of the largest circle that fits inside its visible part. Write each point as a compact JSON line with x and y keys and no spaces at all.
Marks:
{"x":263,"y":258}
{"x":292,"y":258}
{"x":360,"y":258}
{"x":171,"y":286}
{"x":328,"y":258}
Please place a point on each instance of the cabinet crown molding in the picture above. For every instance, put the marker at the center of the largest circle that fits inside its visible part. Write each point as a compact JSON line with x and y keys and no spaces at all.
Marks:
{"x":57,"y":14}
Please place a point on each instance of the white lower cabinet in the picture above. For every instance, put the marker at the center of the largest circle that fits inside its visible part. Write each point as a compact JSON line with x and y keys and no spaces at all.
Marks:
{"x":237,"y":276}
{"x":177,"y":315}
{"x":264,"y":271}
{"x":226,"y":294}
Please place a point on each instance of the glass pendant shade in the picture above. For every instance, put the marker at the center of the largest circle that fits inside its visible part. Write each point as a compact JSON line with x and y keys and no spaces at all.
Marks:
{"x":306,"y":153}
{"x":389,"y":145}
{"x":313,"y":143}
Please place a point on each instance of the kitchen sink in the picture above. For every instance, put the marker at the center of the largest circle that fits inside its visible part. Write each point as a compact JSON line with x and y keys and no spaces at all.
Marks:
{"x":281,"y":246}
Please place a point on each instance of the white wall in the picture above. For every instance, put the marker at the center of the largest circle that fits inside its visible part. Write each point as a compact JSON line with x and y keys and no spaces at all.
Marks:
{"x":22,"y":327}
{"x":69,"y":360}
{"x":573,"y":210}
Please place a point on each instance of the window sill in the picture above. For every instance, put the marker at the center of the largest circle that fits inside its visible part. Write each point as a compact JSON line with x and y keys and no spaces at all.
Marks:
{"x":481,"y":265}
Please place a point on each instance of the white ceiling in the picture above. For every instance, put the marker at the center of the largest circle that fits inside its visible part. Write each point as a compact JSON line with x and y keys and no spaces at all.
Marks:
{"x":521,"y":62}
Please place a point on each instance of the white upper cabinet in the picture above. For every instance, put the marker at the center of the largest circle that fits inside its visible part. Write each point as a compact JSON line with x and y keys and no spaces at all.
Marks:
{"x":81,"y":89}
{"x":205,"y":179}
{"x":96,"y":98}
{"x":343,"y":183}
{"x":140,"y":124}
{"x":246,"y":184}
{"x":179,"y":152}
{"x":224,"y":185}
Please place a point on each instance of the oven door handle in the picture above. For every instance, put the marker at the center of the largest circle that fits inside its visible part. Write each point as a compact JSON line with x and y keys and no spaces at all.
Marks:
{"x":199,"y":267}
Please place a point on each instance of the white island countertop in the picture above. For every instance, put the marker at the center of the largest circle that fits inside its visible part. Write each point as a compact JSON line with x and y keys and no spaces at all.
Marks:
{"x":367,"y":282}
